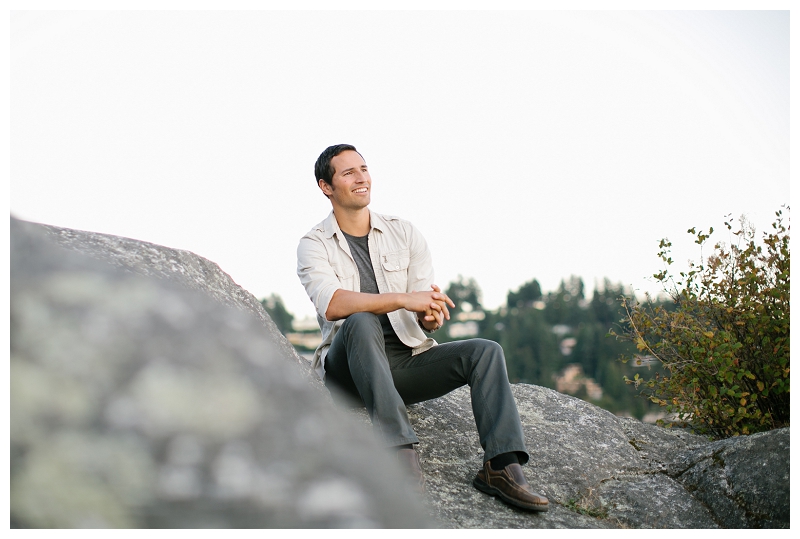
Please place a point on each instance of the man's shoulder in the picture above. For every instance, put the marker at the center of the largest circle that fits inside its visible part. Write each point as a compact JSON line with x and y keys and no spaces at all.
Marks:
{"x":319,"y":227}
{"x":390,"y":220}
{"x":320,"y":230}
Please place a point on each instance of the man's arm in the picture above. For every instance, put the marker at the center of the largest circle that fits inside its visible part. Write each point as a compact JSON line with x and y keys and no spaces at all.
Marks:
{"x":430,"y":306}
{"x":334,"y":302}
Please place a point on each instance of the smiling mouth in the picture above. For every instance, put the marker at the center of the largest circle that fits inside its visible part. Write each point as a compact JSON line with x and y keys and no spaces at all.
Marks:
{"x":360,"y":190}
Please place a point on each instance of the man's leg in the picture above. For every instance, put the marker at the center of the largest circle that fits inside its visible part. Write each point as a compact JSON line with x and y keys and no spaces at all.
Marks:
{"x":480,"y":364}
{"x":356,"y":364}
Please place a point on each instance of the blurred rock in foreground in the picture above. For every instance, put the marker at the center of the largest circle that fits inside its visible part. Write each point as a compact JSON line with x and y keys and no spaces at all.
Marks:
{"x":138,"y":402}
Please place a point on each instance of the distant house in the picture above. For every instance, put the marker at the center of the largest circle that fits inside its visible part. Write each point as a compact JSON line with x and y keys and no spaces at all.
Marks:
{"x":466,"y":324}
{"x":463,"y":330}
{"x":572,"y":379}
{"x":305,"y":335}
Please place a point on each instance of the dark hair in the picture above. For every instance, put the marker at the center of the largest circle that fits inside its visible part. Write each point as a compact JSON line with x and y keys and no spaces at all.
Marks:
{"x":323,"y":170}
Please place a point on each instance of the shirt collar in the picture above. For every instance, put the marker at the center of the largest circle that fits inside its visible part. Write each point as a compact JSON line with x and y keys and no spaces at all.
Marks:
{"x":376,"y":221}
{"x":330,"y":225}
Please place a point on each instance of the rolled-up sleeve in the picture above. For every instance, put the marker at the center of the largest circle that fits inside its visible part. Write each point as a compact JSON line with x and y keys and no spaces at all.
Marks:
{"x":316,"y":273}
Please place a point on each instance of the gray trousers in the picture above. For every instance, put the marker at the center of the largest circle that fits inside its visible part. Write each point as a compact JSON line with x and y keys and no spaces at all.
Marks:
{"x":378,"y":370}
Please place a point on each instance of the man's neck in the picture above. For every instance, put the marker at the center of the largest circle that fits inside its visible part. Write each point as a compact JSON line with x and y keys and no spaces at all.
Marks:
{"x":354,"y":223}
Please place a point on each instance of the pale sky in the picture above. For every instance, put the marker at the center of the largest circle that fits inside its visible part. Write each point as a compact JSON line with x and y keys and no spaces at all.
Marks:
{"x":522,"y":144}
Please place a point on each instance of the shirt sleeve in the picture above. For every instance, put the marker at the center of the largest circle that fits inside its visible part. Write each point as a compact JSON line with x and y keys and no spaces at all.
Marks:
{"x":316,"y":274}
{"x":420,"y":267}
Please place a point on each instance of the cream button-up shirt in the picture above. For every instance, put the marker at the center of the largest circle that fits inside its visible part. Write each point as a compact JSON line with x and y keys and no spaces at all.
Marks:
{"x":401,"y":262}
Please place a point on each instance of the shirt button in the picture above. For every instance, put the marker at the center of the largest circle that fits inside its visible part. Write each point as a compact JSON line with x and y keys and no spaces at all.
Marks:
{"x":397,"y":267}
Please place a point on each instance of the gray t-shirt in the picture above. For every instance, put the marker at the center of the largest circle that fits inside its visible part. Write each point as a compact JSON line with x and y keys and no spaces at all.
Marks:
{"x":359,"y":248}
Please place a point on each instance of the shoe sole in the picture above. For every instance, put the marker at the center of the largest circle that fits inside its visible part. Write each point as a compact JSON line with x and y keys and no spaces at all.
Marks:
{"x":484,"y":487}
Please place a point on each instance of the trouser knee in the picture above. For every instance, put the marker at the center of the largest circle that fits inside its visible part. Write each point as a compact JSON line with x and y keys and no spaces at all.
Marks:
{"x":363,"y":340}
{"x":489,"y":350}
{"x":489,"y":355}
{"x":356,"y":354}
{"x":361,"y":322}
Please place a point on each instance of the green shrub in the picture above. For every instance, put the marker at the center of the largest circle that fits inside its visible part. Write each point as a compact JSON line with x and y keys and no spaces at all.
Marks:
{"x":725,"y":345}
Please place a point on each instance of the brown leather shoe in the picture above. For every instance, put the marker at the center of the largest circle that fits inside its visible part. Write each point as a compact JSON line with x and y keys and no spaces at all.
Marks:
{"x":510,"y":485}
{"x":409,"y":459}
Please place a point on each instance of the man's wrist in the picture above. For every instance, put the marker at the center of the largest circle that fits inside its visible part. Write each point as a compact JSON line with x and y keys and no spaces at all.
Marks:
{"x":426,"y":329}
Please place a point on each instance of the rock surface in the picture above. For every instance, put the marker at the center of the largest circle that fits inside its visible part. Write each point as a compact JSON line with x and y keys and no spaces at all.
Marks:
{"x":149,"y":390}
{"x":180,"y":267}
{"x":744,"y":481}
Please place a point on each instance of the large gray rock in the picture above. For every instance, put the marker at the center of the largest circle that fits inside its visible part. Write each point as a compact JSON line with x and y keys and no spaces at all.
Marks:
{"x":180,"y":267}
{"x":139,"y":403}
{"x":160,"y":394}
{"x":602,"y":471}
{"x":582,"y":458}
{"x":744,"y":480}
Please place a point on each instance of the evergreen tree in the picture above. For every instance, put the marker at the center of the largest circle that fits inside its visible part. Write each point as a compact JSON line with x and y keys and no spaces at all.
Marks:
{"x":466,"y":294}
{"x":532,"y":354}
{"x":526,"y":296}
{"x":564,"y":305}
{"x":276,"y":310}
{"x":532,"y":326}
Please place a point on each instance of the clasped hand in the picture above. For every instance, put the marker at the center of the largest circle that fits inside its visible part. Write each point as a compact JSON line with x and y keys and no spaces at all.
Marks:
{"x":431,"y":307}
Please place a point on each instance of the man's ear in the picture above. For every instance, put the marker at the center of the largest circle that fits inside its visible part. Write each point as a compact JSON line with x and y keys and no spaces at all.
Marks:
{"x":327,"y":190}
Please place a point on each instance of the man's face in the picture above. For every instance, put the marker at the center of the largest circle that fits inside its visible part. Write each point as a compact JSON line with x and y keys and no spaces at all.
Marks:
{"x":351,"y":185}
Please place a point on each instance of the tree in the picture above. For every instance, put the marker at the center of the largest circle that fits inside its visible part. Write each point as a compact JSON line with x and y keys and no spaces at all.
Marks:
{"x":564,"y":305}
{"x":466,"y":294}
{"x":725,"y":346}
{"x":276,"y":310}
{"x":605,"y":306}
{"x":526,"y":296}
{"x":532,"y":354}
{"x":532,"y":344}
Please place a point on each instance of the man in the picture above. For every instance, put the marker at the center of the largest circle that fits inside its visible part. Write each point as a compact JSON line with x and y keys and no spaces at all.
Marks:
{"x":370,"y":278}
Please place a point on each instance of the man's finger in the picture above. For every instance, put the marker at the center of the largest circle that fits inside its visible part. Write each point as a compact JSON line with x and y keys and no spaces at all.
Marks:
{"x":436,"y":310}
{"x":442,"y":306}
{"x":444,"y":297}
